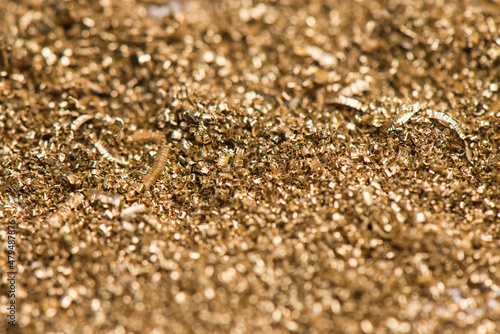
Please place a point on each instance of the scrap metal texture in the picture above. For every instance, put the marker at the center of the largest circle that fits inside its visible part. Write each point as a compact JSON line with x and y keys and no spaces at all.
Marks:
{"x":240,"y":166}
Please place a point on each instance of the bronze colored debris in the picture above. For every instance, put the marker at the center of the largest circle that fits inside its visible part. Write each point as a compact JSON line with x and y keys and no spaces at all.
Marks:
{"x":241,"y":166}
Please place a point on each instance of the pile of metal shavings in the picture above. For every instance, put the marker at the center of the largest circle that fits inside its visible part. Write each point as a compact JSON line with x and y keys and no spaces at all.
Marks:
{"x":246,"y":166}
